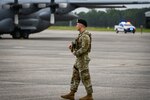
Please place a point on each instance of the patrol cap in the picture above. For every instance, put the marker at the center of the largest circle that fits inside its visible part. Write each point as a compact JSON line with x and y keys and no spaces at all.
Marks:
{"x":82,"y":22}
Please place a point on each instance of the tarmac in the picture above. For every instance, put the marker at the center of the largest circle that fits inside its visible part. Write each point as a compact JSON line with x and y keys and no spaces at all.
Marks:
{"x":40,"y":68}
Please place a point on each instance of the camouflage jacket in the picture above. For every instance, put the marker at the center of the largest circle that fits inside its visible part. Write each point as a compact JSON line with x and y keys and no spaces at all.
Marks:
{"x":83,"y":43}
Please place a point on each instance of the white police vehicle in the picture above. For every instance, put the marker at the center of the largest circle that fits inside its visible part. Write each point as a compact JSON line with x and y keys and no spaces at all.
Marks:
{"x":125,"y":27}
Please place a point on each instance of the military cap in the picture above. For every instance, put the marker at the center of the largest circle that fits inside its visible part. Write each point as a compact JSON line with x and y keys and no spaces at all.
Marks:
{"x":82,"y":22}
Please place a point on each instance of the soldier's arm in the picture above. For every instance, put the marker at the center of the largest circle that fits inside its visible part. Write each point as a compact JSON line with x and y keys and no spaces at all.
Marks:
{"x":84,"y":45}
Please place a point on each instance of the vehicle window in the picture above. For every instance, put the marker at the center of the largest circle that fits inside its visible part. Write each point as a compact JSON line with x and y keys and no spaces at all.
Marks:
{"x":121,"y":25}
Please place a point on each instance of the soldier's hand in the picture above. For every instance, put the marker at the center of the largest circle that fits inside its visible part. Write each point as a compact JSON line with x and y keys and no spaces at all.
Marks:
{"x":70,"y":46}
{"x":75,"y":53}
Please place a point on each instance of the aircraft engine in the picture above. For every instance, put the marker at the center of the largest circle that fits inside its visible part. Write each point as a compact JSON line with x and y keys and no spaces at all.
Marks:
{"x":6,"y":22}
{"x":45,"y":13}
{"x":67,"y":17}
{"x":53,"y":6}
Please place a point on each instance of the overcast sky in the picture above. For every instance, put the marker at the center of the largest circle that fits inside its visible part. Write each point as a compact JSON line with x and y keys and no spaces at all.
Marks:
{"x":103,"y":9}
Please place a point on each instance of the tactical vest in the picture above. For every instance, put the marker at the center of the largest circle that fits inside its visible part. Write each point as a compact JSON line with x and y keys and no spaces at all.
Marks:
{"x":75,"y":44}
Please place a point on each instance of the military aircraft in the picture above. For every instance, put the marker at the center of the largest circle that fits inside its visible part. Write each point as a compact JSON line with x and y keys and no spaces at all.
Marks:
{"x":20,"y":18}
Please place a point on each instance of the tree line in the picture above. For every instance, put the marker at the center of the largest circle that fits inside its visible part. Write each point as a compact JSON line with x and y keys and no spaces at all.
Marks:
{"x":111,"y":17}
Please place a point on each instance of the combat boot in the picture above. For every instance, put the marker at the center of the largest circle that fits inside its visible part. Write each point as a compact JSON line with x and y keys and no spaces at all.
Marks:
{"x":87,"y":97}
{"x":69,"y":96}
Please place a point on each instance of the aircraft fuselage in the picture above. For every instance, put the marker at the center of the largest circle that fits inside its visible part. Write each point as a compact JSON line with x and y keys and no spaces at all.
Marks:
{"x":31,"y":20}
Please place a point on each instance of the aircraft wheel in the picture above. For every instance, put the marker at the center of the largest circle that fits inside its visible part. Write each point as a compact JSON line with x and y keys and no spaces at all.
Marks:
{"x":16,"y":35}
{"x":25,"y":35}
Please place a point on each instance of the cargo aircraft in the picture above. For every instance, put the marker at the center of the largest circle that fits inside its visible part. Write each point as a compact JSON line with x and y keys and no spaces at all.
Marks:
{"x":20,"y":18}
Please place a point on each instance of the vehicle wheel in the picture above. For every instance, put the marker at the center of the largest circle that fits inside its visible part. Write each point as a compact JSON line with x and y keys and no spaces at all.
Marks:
{"x":133,"y":31}
{"x":117,"y":31}
{"x":25,"y":35}
{"x":125,"y":31}
{"x":16,"y":35}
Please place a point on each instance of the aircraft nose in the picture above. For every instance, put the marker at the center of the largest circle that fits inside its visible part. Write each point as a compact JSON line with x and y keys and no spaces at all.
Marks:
{"x":73,"y":16}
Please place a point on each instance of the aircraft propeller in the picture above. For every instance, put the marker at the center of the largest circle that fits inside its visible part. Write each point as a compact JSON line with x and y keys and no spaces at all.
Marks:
{"x":52,"y":9}
{"x":16,"y":7}
{"x":52,"y":5}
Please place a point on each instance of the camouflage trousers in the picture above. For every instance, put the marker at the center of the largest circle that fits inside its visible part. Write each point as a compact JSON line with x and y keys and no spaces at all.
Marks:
{"x":81,"y":72}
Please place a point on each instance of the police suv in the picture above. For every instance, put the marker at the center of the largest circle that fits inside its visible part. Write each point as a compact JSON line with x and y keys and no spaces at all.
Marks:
{"x":125,"y":27}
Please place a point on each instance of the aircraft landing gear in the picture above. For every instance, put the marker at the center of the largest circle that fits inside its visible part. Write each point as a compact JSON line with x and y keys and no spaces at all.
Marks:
{"x":25,"y":35}
{"x":19,"y":35}
{"x":16,"y":35}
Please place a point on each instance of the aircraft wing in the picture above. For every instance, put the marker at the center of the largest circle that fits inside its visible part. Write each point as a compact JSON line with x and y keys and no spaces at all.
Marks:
{"x":106,"y":3}
{"x":100,"y":6}
{"x":82,"y":2}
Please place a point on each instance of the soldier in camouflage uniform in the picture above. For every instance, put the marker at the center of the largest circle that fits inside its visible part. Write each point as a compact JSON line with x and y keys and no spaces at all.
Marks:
{"x":80,"y":48}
